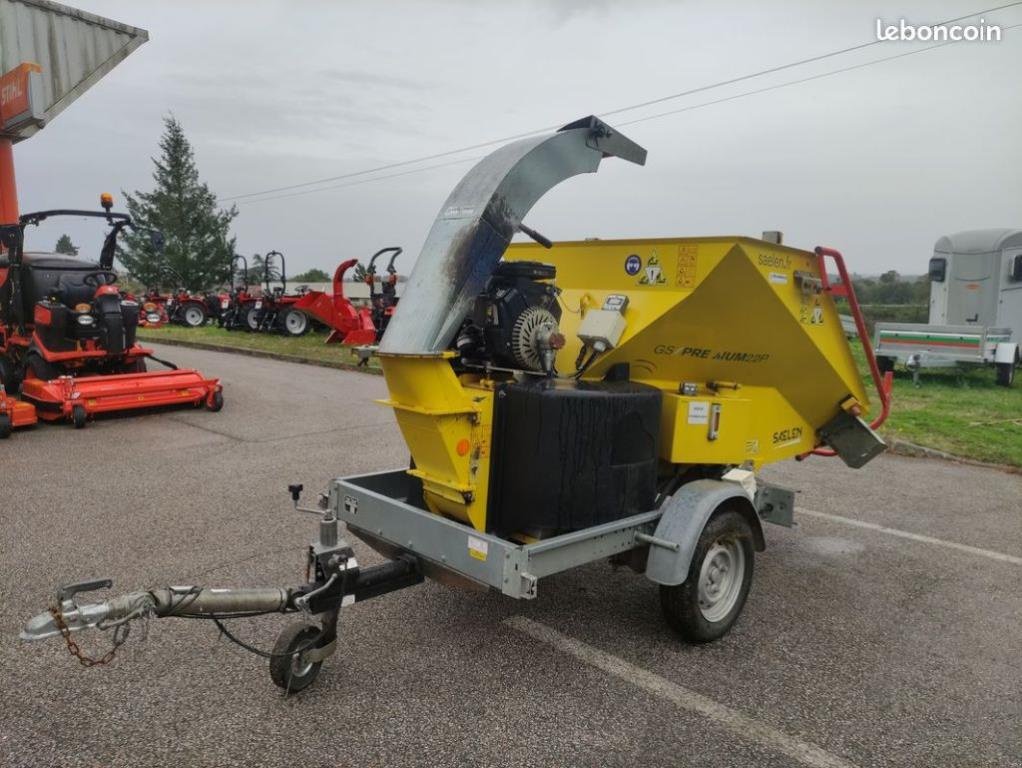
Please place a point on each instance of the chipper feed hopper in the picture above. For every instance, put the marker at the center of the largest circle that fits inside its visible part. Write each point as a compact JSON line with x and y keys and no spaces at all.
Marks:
{"x":571,"y":403}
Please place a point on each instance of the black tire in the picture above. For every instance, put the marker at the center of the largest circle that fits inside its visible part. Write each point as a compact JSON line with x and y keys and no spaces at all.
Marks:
{"x":1005,"y":373}
{"x":252,"y":318}
{"x":194,"y":315}
{"x":886,"y":364}
{"x":5,"y":426}
{"x":294,"y":322}
{"x":681,"y":604}
{"x":287,"y":670}
{"x":78,"y":416}
{"x":217,"y":403}
{"x":40,"y":368}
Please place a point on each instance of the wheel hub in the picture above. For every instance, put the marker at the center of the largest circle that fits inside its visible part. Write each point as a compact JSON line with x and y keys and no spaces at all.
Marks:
{"x":720,"y":579}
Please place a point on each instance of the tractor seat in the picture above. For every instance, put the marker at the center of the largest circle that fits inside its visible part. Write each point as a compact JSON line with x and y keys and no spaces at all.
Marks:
{"x":51,"y":274}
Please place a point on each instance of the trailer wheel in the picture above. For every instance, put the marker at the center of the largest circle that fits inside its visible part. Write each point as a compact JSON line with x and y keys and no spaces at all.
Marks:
{"x":194,"y":315}
{"x":288,"y":669}
{"x":706,"y":605}
{"x":295,"y":322}
{"x":78,"y":416}
{"x":1005,"y":374}
{"x":5,"y":426}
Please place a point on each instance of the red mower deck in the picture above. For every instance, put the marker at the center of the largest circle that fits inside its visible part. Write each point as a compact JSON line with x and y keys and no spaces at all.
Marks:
{"x":76,"y":399}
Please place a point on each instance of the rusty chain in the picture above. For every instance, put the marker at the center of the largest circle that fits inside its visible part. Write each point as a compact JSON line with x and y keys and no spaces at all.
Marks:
{"x":74,"y":649}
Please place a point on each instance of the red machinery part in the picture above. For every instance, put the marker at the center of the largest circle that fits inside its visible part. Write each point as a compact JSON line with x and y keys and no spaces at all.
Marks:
{"x":57,"y":399}
{"x":348,"y":325}
{"x":14,"y":414}
{"x":845,"y":289}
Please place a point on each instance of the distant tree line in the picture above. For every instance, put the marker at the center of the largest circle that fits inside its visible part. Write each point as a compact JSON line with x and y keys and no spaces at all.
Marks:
{"x":892,"y":288}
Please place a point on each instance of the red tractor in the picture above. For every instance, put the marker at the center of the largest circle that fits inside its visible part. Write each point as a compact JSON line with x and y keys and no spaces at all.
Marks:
{"x":235,"y":301}
{"x":67,"y":335}
{"x":152,"y":310}
{"x":275,"y":310}
{"x":348,"y":325}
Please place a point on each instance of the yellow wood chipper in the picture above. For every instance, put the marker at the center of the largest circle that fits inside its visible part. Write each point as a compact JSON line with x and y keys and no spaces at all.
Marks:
{"x":569,"y":403}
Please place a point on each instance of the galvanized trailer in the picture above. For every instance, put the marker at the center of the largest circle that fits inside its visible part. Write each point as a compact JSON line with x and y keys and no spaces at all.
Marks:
{"x":975,"y":308}
{"x":385,"y":510}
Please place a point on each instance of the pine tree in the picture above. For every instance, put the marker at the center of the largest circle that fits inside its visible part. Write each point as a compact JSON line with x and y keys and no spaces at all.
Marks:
{"x":65,"y":246}
{"x":199,"y":245}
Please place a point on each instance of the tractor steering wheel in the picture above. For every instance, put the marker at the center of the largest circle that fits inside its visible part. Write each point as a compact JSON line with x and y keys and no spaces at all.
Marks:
{"x":99,"y":277}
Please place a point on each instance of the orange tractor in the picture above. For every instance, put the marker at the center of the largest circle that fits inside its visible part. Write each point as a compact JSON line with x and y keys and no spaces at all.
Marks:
{"x":67,"y":335}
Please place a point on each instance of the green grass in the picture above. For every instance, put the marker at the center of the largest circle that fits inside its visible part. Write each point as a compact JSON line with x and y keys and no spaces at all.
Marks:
{"x":311,"y":346}
{"x":962,"y":412}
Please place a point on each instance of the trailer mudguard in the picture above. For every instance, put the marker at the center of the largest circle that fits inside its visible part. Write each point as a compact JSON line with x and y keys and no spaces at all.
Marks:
{"x":685,"y":515}
{"x":1006,"y":352}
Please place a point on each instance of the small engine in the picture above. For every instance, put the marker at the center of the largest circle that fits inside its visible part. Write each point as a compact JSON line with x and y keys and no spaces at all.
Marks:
{"x":514,"y":322}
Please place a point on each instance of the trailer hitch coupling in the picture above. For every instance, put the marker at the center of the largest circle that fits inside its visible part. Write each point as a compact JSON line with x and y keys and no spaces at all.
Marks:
{"x":335,"y":580}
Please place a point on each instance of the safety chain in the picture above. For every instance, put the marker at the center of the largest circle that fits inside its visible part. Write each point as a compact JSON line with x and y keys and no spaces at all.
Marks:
{"x":76,"y":651}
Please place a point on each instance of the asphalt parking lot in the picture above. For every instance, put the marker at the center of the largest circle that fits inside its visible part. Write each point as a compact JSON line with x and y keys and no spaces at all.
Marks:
{"x":884,"y":630}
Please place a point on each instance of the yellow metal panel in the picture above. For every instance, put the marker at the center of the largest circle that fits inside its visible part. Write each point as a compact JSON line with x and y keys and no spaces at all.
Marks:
{"x":711,"y":309}
{"x":447,"y":428}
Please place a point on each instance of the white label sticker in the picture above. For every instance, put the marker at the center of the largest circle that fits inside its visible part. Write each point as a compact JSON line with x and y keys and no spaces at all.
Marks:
{"x":478,"y":548}
{"x":698,"y":412}
{"x":778,"y":278}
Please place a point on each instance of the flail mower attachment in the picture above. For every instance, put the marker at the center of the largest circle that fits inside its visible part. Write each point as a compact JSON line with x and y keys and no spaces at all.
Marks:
{"x":77,"y":399}
{"x":335,"y":580}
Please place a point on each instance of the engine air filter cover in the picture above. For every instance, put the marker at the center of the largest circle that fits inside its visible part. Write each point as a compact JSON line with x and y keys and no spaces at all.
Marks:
{"x":572,"y":454}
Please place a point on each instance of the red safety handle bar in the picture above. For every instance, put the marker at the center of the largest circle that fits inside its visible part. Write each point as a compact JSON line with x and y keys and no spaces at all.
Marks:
{"x":845,"y":289}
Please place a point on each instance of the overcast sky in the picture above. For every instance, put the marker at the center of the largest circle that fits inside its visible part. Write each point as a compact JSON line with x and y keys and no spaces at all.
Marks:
{"x":878,"y":162}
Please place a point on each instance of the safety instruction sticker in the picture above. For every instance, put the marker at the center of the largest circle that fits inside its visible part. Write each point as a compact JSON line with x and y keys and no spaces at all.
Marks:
{"x":654,"y":272}
{"x":688,"y":261}
{"x":698,"y":412}
{"x":478,"y":548}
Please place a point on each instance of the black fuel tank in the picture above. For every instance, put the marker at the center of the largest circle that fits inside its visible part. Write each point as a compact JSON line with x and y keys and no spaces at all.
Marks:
{"x":572,"y":454}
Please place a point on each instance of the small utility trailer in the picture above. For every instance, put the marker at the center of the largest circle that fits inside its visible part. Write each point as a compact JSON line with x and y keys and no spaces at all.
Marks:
{"x":975,"y":308}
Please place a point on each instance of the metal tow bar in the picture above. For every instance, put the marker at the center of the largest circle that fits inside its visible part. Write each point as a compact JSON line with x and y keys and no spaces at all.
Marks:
{"x":334,"y":579}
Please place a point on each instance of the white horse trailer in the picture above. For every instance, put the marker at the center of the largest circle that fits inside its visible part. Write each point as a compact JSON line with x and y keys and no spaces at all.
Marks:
{"x":975,"y":307}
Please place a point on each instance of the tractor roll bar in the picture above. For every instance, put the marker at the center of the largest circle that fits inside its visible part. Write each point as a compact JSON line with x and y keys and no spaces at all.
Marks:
{"x":371,"y":269}
{"x":267,"y":264}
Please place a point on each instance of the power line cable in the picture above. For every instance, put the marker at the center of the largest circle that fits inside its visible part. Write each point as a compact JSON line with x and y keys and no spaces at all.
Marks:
{"x":619,"y":110}
{"x":643,"y":119}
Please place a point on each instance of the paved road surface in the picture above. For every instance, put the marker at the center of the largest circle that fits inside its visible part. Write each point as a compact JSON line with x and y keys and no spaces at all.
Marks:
{"x":885,"y":630}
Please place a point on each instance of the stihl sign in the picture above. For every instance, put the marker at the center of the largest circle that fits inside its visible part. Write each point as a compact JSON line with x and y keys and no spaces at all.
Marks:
{"x":21,"y":97}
